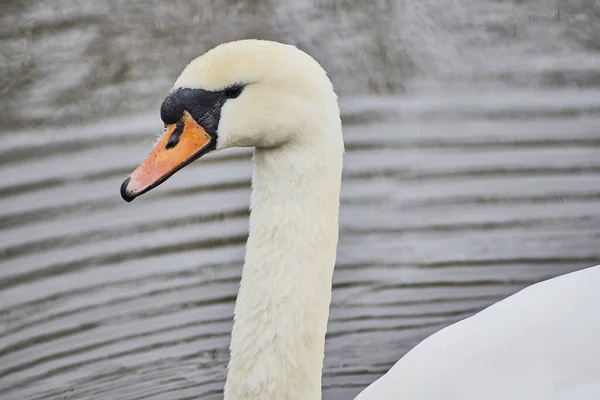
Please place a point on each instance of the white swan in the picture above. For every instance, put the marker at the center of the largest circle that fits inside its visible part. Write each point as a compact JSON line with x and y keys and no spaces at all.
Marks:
{"x":541,"y":343}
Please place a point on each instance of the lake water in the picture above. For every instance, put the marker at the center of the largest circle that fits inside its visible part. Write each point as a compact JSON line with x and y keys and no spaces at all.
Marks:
{"x":472,"y":170}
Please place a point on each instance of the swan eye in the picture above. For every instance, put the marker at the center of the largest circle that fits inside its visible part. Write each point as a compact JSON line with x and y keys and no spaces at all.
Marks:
{"x":233,"y":91}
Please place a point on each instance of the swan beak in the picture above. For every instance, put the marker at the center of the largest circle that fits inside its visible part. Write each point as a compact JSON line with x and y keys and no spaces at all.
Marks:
{"x":180,"y":144}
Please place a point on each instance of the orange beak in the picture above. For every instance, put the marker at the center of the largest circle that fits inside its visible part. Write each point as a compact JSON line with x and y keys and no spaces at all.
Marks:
{"x":180,"y":144}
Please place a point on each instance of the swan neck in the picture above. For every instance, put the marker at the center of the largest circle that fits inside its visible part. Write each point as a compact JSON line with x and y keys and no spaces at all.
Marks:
{"x":281,"y":312}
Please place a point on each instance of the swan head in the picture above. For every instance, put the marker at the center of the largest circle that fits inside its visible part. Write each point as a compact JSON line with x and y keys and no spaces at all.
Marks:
{"x":248,"y":93}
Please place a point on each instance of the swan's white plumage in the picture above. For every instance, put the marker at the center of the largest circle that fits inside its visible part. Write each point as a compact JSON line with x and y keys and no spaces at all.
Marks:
{"x":289,"y":112}
{"x":541,"y":343}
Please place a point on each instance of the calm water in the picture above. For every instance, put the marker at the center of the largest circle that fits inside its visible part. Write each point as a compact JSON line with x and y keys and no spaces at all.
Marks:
{"x":472,"y":170}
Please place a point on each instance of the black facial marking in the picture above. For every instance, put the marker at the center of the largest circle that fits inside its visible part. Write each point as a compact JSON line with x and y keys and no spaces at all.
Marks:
{"x":203,"y":105}
{"x":174,"y":138}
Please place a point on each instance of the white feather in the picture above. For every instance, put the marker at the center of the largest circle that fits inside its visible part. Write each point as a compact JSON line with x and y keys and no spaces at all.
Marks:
{"x":540,"y":343}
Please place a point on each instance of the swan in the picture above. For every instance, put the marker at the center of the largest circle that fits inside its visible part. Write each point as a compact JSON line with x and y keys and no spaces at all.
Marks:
{"x":541,"y":343}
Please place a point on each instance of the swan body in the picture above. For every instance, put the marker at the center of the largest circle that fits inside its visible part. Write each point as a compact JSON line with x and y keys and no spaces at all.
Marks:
{"x":540,"y":342}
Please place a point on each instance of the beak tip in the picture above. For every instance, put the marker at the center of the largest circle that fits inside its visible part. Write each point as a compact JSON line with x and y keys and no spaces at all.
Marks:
{"x":125,"y":193}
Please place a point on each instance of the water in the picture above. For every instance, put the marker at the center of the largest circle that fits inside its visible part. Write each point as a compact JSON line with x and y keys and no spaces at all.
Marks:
{"x":472,"y":170}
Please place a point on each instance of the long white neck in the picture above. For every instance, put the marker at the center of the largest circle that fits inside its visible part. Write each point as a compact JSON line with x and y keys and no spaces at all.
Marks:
{"x":278,"y":338}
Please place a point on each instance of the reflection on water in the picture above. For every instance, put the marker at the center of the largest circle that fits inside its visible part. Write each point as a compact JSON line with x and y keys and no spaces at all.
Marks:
{"x":472,"y":170}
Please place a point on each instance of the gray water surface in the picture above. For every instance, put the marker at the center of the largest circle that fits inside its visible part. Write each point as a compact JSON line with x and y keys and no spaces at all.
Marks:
{"x":472,"y":131}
